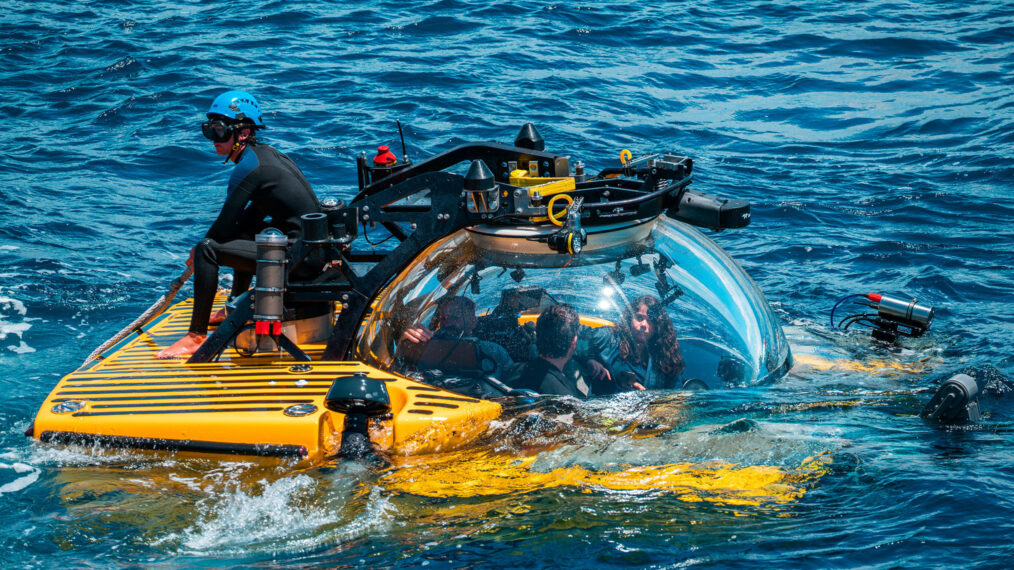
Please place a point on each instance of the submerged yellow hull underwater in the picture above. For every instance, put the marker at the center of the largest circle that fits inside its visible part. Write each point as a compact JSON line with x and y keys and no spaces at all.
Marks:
{"x":267,"y":404}
{"x":484,"y":474}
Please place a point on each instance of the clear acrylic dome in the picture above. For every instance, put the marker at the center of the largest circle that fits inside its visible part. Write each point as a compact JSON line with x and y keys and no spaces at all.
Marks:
{"x":727,"y":333}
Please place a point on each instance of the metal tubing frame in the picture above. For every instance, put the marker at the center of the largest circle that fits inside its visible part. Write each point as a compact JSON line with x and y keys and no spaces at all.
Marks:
{"x":445,"y":213}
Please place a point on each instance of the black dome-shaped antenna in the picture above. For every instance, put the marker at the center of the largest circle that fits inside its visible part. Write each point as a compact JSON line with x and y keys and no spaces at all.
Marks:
{"x":530,"y":138}
{"x":479,"y":177}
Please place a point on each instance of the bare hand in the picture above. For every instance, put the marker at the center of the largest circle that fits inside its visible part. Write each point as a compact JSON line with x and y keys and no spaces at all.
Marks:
{"x":628,"y":381}
{"x":597,"y":372}
{"x":417,"y":334}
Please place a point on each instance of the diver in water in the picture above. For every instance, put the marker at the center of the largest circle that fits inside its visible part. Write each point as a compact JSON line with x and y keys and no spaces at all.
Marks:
{"x":642,"y":351}
{"x":448,"y":342}
{"x":266,"y":189}
{"x":555,"y":371}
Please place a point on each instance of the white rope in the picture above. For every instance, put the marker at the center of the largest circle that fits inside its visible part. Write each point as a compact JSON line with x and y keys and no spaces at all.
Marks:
{"x":152,"y":312}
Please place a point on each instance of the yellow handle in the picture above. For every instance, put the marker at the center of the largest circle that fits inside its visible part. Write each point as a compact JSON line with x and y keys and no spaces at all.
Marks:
{"x":552,"y":202}
{"x":625,"y":156}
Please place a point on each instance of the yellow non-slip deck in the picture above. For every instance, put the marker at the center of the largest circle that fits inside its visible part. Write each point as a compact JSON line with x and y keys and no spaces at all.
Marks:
{"x":241,"y":404}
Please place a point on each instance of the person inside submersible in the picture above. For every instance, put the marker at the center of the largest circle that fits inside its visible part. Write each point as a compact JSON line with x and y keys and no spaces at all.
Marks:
{"x":641,"y":352}
{"x":266,"y":189}
{"x":555,"y":371}
{"x":448,"y":342}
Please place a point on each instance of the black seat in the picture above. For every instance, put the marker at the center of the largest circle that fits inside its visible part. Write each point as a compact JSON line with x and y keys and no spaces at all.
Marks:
{"x":453,"y":356}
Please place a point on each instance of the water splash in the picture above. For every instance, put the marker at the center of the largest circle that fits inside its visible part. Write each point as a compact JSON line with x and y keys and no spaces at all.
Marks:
{"x":25,"y":476}
{"x":284,"y":513}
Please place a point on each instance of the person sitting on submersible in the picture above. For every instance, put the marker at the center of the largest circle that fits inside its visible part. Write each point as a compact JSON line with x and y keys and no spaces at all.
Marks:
{"x":266,"y":189}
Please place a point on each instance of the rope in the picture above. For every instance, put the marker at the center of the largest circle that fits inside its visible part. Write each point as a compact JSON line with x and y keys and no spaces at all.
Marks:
{"x":152,"y":312}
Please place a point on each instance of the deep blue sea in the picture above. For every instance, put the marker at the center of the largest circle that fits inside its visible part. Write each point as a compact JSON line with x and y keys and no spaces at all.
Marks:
{"x":875,"y":140}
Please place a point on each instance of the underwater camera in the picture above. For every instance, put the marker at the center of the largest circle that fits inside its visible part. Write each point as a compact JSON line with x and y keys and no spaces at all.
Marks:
{"x":893,"y":316}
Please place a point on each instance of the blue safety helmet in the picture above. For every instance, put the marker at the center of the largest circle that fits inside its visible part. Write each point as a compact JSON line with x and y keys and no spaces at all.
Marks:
{"x":237,"y":105}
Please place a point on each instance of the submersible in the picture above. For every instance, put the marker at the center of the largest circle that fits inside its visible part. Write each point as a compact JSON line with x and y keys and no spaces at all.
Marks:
{"x":311,"y":362}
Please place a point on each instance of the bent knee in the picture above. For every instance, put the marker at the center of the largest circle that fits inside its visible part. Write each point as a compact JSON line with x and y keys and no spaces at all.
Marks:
{"x":206,"y":250}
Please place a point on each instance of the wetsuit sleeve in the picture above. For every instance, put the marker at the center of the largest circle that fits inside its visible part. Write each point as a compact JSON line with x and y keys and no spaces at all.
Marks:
{"x":503,"y":360}
{"x":593,"y":370}
{"x":498,"y":355}
{"x":251,"y":222}
{"x":593,"y":343}
{"x":227,"y":225}
{"x":514,"y":376}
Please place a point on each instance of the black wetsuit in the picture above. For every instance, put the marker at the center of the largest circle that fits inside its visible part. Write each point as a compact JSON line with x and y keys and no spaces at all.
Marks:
{"x":266,"y":190}
{"x":540,"y":375}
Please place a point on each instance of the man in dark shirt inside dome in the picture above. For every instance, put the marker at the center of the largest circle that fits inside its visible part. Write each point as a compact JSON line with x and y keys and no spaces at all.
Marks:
{"x":452,"y":326}
{"x":555,"y":372}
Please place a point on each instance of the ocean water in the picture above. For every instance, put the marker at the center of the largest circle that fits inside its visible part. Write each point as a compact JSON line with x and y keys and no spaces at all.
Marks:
{"x":873,"y":138}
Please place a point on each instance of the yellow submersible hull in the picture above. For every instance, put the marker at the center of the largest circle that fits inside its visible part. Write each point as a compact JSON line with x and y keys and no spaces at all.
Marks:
{"x":267,"y":404}
{"x":519,"y":232}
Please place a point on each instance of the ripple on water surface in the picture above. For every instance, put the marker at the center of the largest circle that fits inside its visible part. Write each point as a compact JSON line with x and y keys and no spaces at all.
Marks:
{"x":873,"y":141}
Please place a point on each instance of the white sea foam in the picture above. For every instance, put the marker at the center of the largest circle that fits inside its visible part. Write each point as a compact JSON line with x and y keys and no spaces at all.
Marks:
{"x":12,"y":331}
{"x":21,"y":348}
{"x":295,"y":513}
{"x":10,"y":303}
{"x":242,"y":517}
{"x":27,"y":475}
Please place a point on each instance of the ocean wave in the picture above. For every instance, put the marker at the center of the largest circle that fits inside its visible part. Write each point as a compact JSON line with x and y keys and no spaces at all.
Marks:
{"x":14,"y":325}
{"x":873,"y":141}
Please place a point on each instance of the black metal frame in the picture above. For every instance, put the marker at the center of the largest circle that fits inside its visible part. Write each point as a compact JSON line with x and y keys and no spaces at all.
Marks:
{"x":639,"y":190}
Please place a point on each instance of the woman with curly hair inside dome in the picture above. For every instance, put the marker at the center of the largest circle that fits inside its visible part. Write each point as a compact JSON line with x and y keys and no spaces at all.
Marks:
{"x":641,"y":352}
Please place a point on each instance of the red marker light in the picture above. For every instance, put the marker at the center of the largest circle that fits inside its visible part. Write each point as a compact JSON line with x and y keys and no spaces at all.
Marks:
{"x":384,"y":156}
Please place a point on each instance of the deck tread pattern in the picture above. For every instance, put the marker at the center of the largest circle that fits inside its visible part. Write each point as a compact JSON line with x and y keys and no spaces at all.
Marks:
{"x":134,"y":381}
{"x":126,"y":393}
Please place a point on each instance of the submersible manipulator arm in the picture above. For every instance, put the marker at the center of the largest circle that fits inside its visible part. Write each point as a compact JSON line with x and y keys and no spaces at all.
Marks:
{"x":419,"y":204}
